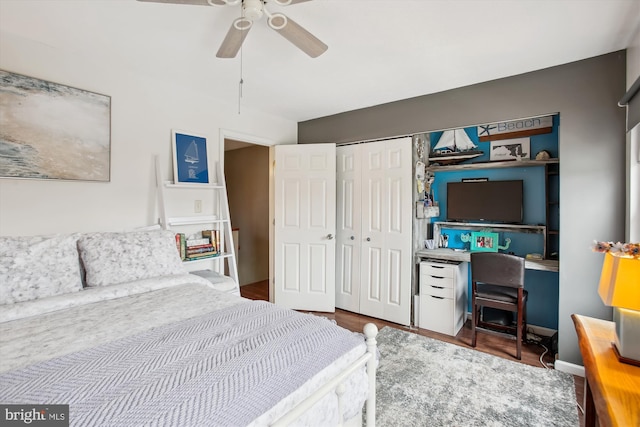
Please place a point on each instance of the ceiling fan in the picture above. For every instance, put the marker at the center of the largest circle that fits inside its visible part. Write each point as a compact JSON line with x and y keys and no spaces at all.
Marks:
{"x":252,"y":10}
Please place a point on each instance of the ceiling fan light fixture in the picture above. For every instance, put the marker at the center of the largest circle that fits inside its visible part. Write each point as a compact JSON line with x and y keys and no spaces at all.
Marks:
{"x":277,"y":21}
{"x":242,"y":24}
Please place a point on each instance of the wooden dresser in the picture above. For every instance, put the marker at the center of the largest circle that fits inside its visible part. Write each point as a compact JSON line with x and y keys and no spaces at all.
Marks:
{"x":613,"y":388}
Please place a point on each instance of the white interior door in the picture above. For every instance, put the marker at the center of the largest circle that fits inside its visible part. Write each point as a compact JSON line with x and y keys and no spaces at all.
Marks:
{"x":305,"y":226}
{"x":386,"y":230}
{"x":348,"y":227}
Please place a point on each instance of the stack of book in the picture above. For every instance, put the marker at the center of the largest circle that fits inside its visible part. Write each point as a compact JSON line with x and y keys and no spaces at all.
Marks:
{"x":197,"y":248}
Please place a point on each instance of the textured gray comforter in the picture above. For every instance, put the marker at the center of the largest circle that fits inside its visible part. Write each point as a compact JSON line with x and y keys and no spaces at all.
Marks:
{"x":221,"y":369}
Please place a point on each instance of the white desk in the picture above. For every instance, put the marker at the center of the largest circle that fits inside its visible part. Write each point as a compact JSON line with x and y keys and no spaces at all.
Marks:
{"x":453,"y":255}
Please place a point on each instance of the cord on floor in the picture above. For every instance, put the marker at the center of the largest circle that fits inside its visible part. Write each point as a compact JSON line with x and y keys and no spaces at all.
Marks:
{"x":538,"y":340}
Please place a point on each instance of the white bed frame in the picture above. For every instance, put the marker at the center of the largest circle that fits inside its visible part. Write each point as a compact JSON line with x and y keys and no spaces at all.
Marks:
{"x":337,"y":386}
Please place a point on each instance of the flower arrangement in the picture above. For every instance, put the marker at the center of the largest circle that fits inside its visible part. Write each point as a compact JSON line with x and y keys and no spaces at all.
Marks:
{"x":624,"y":249}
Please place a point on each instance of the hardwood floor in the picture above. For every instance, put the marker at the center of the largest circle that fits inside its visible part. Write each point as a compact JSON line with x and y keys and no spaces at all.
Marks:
{"x":495,"y":345}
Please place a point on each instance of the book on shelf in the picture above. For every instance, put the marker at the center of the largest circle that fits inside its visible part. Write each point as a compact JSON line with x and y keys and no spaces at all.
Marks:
{"x":208,"y":245}
{"x":198,"y":242}
{"x":214,"y":236}
{"x":181,"y":245}
{"x":209,"y":254}
{"x":200,"y":249}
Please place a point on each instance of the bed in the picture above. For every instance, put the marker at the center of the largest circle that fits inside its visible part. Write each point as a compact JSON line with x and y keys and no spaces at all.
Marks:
{"x":112,"y":325}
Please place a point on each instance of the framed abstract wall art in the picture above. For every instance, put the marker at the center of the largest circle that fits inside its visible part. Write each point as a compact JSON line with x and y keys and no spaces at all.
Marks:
{"x":52,"y":131}
{"x":190,"y":163}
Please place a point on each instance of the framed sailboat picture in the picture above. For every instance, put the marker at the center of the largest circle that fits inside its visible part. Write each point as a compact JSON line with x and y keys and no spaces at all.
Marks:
{"x":189,"y":158}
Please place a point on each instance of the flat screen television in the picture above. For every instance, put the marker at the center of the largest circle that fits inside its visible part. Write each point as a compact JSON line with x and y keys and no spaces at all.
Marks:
{"x":493,"y":201}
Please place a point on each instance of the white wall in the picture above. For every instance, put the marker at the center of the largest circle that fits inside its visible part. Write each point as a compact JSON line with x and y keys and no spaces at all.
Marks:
{"x":633,"y":149}
{"x":633,"y":198}
{"x":144,"y":109}
{"x":633,"y":59}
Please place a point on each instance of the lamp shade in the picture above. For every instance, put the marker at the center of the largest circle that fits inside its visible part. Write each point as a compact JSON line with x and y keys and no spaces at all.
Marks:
{"x":620,"y":281}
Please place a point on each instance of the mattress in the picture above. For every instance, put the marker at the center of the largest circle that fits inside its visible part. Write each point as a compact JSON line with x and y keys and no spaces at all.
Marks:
{"x":33,"y":347}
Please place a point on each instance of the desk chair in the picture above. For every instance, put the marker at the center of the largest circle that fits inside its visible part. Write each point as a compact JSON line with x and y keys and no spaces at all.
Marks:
{"x":498,"y":282}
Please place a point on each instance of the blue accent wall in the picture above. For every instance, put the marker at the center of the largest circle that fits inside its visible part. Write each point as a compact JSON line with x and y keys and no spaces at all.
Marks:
{"x":542,"y":305}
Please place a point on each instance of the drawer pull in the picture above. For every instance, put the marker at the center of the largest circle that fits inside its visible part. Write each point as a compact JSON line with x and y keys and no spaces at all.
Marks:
{"x":438,"y":277}
{"x":433,"y":296}
{"x":437,"y":266}
{"x":437,"y":287}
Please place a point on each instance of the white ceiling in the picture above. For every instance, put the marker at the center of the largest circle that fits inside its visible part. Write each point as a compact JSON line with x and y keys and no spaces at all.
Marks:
{"x":379,"y":50}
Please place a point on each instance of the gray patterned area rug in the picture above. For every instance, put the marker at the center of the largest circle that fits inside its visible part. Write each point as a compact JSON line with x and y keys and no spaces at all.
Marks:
{"x":426,"y":382}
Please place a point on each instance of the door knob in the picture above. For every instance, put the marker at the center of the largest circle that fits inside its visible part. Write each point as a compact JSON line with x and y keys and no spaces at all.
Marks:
{"x":368,"y":239}
{"x":353,"y":238}
{"x":330,"y":236}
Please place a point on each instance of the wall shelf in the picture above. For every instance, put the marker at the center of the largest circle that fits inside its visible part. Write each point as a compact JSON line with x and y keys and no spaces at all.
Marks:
{"x":223,"y":255}
{"x":224,"y":263}
{"x":478,"y":226}
{"x":518,"y":228}
{"x":195,"y":220}
{"x":171,"y":184}
{"x":494,"y":165}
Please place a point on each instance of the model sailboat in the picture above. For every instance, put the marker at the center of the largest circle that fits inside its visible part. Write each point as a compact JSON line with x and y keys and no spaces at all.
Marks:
{"x":191,"y":153}
{"x":454,"y":146}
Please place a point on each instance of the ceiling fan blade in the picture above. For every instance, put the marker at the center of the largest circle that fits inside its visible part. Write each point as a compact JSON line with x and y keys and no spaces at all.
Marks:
{"x":233,"y":40}
{"x":193,"y":2}
{"x":297,"y":35}
{"x":287,"y":3}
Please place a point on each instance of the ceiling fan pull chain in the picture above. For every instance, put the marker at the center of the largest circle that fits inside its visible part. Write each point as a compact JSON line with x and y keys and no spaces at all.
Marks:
{"x":240,"y":83}
{"x":240,"y":94}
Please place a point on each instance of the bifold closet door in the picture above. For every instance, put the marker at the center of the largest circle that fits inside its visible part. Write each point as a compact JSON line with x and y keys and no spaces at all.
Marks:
{"x":385,"y":273}
{"x":373,"y":262}
{"x":348,"y":227}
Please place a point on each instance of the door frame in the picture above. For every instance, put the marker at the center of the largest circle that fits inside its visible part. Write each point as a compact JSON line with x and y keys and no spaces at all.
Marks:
{"x":256,"y":140}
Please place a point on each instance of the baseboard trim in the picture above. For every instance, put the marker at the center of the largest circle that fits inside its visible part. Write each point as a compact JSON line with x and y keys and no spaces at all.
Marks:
{"x":541,"y":330}
{"x":569,"y":368}
{"x":538,"y":330}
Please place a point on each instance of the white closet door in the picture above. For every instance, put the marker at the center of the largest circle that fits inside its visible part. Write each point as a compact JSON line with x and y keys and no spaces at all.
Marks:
{"x":348,"y":232}
{"x":373,"y":213}
{"x":386,"y":230}
{"x":398,"y":235}
{"x":305,"y":214}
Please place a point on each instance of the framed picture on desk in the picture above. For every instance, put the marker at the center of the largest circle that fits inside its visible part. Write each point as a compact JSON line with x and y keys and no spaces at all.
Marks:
{"x":484,"y":242}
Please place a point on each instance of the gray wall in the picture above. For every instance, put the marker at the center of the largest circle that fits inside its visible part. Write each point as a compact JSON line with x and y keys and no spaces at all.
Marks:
{"x":592,"y":156}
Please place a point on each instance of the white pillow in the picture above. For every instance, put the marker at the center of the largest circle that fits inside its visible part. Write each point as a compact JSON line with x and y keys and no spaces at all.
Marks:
{"x":113,"y":258}
{"x":38,"y":267}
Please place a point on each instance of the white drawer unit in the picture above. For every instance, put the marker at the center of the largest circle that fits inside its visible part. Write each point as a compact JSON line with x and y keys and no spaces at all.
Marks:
{"x":443,"y":296}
